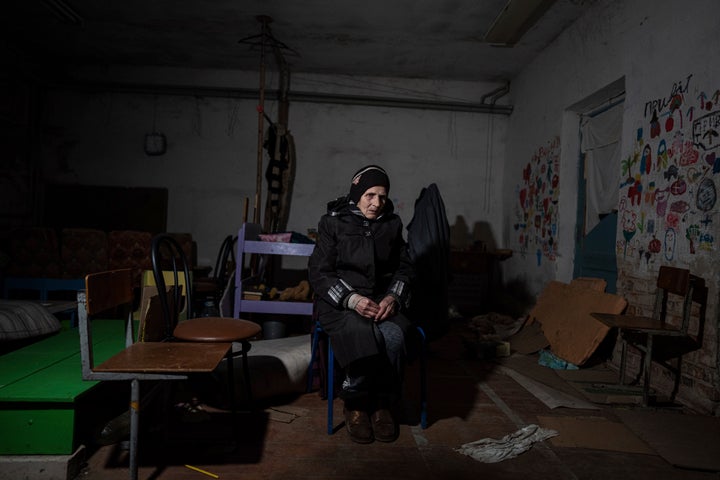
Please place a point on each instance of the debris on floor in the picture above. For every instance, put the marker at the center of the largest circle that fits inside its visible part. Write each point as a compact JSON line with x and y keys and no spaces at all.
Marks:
{"x":285,"y":414}
{"x":489,"y":450}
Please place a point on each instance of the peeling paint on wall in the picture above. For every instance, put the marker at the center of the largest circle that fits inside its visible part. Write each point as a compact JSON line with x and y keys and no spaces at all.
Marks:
{"x":536,"y":209}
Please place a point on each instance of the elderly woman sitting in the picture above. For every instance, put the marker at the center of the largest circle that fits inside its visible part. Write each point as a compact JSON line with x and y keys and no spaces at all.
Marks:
{"x":361,"y":272}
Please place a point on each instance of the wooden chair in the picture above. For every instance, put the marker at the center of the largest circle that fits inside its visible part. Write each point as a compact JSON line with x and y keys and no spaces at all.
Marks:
{"x":167,"y":255}
{"x":111,"y":291}
{"x":657,"y":337}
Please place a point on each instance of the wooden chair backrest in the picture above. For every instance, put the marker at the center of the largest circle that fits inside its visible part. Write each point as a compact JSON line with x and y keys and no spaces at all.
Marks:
{"x":674,"y":280}
{"x":107,"y":290}
{"x":680,"y":281}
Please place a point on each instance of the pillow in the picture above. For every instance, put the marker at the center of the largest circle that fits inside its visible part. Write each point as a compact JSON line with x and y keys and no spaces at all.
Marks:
{"x":24,"y":319}
{"x":277,"y":367}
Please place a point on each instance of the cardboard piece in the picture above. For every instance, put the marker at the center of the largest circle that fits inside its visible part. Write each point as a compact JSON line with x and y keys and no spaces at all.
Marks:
{"x":599,"y":384}
{"x":152,"y":319}
{"x":611,"y":393}
{"x":564,"y":312}
{"x":594,"y":432}
{"x":148,"y":291}
{"x":529,"y":339}
{"x":683,"y":440}
{"x":551,"y":397}
{"x":148,"y":280}
{"x":152,"y":324}
{"x":597,"y":284}
{"x":529,"y":367}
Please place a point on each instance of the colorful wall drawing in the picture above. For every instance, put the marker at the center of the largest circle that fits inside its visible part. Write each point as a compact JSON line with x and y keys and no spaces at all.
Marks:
{"x":668,"y":201}
{"x":536,"y":210}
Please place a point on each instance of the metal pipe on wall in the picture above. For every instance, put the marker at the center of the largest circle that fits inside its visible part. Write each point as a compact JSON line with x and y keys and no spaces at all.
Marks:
{"x":301,"y":97}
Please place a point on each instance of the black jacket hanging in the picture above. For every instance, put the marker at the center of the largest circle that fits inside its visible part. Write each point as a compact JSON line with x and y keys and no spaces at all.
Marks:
{"x":429,"y":249}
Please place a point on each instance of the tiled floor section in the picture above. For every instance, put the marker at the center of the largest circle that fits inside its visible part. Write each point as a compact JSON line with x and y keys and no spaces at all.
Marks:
{"x":468,"y":401}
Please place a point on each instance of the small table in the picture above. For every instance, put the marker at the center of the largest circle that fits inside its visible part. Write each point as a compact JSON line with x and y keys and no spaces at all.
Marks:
{"x":165,"y":357}
{"x":648,"y":326}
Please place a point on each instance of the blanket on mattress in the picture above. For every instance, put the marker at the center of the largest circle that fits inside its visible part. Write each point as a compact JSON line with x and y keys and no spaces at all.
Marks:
{"x":21,"y":319}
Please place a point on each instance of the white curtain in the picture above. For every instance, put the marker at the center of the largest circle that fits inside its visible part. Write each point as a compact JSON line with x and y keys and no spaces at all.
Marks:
{"x":601,"y":146}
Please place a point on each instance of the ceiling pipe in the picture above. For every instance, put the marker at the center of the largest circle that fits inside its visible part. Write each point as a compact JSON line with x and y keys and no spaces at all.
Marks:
{"x":300,"y":97}
{"x":491,"y":93}
{"x":401,"y":103}
{"x":496,"y":94}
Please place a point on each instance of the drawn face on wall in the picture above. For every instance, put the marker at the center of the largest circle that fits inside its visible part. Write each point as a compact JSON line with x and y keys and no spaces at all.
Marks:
{"x":706,"y":195}
{"x":669,"y":244}
{"x":628,"y":221}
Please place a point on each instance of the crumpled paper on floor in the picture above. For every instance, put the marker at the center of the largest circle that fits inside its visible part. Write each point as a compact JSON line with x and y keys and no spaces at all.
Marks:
{"x":490,"y":450}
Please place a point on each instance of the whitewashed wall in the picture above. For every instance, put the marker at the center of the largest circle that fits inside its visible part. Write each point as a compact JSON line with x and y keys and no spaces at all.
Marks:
{"x":210,"y":165}
{"x":656,"y":48}
{"x":584,"y":59}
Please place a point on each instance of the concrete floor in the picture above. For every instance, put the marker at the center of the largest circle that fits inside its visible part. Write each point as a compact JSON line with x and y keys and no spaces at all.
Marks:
{"x":468,"y":400}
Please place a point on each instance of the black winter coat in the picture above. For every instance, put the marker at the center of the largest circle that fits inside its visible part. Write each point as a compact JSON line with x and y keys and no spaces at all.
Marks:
{"x":356,"y":255}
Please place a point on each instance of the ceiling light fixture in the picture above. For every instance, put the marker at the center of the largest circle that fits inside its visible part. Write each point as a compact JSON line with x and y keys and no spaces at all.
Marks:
{"x":514,"y":20}
{"x":63,"y":11}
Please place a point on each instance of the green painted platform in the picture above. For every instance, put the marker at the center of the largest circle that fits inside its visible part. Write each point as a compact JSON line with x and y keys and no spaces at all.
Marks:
{"x":44,"y":402}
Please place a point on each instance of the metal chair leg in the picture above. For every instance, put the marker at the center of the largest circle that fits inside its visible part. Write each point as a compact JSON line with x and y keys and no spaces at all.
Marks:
{"x":134,"y":426}
{"x":330,"y":388}
{"x":246,"y":373}
{"x":623,"y":358}
{"x":647,"y":367}
{"x":313,"y":353}
{"x":423,"y":379}
{"x":231,"y":395}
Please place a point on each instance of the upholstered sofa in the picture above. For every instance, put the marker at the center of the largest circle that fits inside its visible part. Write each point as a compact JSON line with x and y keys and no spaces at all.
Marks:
{"x":43,"y":252}
{"x":46,"y":264}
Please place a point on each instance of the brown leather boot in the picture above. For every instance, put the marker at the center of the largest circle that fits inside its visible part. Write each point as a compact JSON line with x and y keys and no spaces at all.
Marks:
{"x":358,"y":425}
{"x":383,"y":425}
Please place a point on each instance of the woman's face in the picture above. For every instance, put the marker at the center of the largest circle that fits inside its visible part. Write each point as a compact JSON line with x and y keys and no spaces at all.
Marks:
{"x":372,"y":202}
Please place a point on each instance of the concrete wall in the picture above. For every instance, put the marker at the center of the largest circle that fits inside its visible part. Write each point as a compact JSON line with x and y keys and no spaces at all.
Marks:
{"x":661,"y":52}
{"x":96,"y":137}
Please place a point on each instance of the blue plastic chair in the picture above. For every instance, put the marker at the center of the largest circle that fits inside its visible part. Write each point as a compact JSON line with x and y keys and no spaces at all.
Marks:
{"x":331,"y":375}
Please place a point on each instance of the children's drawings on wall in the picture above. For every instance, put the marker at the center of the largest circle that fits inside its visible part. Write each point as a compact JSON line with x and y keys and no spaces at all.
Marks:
{"x":669,"y":195}
{"x":536,"y":210}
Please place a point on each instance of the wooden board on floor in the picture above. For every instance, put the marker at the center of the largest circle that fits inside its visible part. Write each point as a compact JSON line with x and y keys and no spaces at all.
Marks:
{"x":683,"y":440}
{"x":528,"y":365}
{"x":594,"y":432}
{"x":599,"y":384}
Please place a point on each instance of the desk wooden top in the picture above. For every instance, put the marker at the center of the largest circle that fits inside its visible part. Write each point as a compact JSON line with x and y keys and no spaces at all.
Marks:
{"x":638,"y":323}
{"x":166,"y":357}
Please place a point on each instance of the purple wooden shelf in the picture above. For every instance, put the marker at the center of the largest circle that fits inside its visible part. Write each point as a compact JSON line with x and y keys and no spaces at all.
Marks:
{"x":278,"y":248}
{"x":247,"y":244}
{"x":276,"y":306}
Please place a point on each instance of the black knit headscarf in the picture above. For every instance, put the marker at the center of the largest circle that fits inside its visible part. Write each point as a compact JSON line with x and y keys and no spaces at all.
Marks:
{"x":367,"y":177}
